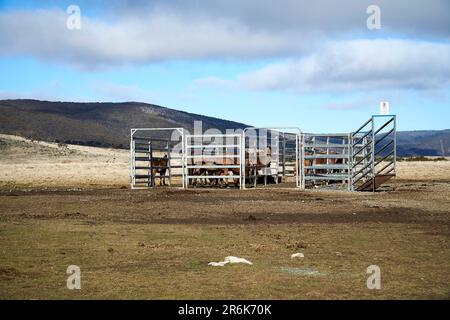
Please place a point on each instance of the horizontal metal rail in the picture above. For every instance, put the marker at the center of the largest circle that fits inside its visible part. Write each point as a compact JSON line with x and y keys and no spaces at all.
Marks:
{"x":331,"y":135}
{"x":326,"y":177}
{"x":141,"y":176}
{"x":225,"y":176}
{"x":148,"y":159}
{"x":150,"y":139}
{"x":218,"y":156}
{"x":212,"y":166}
{"x":148,"y":167}
{"x":204,"y":146}
{"x":153,"y":150}
{"x":328,"y":166}
{"x":326,"y":156}
{"x":326,"y":145}
{"x":193,"y":136}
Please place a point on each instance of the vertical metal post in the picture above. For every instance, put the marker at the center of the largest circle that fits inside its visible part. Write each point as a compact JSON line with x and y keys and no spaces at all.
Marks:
{"x":283,"y":159}
{"x":328,"y":160}
{"x":183,"y":159}
{"x":395,"y":145}
{"x":349,"y":161}
{"x":168,"y":163}
{"x":132,"y":160}
{"x":277,"y":162}
{"x":373,"y":154}
{"x":255,"y":163}
{"x":150,"y":156}
{"x":186,"y":170}
{"x":243,"y":161}
{"x":266,"y":166}
{"x":299,"y":160}
{"x":314,"y":162}
{"x":341,"y":171}
{"x":296,"y":166}
{"x":239,"y":144}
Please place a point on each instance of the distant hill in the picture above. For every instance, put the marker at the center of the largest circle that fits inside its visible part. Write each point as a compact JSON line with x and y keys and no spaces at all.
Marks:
{"x":95,"y":124}
{"x":108,"y":124}
{"x":423,"y":143}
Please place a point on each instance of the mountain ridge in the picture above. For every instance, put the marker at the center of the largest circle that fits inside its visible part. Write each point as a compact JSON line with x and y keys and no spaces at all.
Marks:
{"x":108,"y":124}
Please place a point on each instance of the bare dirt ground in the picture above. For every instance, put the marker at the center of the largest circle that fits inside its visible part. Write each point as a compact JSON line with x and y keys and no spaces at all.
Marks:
{"x":62,"y":206}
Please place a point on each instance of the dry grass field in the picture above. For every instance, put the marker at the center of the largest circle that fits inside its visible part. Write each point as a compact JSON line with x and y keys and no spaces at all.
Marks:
{"x":71,"y":205}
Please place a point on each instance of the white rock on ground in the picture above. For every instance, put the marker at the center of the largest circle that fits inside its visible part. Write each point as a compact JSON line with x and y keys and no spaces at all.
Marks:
{"x":229,"y":259}
{"x":232,"y":259}
{"x":297,"y":255}
{"x":218,"y":264}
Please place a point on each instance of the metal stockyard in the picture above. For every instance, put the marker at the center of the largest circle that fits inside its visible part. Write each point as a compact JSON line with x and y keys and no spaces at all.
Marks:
{"x":358,"y":161}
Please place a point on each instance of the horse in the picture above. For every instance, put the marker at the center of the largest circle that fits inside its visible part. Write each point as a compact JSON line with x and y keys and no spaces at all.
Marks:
{"x":161,"y":168}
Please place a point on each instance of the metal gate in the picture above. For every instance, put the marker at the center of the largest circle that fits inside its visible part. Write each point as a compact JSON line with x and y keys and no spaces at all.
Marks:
{"x":326,"y":159}
{"x":271,"y":155}
{"x":213,"y":160}
{"x":156,"y":157}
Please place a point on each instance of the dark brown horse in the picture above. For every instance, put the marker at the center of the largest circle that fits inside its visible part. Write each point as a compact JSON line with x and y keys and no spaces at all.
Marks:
{"x":160,"y":167}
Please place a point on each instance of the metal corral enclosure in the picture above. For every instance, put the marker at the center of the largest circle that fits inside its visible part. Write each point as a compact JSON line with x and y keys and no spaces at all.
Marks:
{"x":265,"y":157}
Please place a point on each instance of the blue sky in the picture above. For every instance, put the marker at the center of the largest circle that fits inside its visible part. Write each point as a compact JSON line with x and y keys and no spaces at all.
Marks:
{"x":294,"y":65}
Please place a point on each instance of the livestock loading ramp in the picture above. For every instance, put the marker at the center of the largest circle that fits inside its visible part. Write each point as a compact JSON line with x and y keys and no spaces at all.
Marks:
{"x":374,"y":153}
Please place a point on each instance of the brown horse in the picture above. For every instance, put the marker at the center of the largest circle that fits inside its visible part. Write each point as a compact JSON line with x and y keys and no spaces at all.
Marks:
{"x":322,"y":161}
{"x":161,"y":169}
{"x":198,"y":172}
{"x":252,"y":165}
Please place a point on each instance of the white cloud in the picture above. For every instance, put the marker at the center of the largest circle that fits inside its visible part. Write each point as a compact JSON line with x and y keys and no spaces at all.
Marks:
{"x":135,"y":32}
{"x":409,"y":17}
{"x":43,"y":34}
{"x":357,"y":65}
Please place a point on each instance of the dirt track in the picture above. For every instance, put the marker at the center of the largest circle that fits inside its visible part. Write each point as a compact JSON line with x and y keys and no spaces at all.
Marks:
{"x":417,"y":202}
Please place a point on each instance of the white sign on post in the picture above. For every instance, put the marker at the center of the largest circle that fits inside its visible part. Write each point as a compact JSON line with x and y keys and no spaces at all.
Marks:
{"x":384,"y":108}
